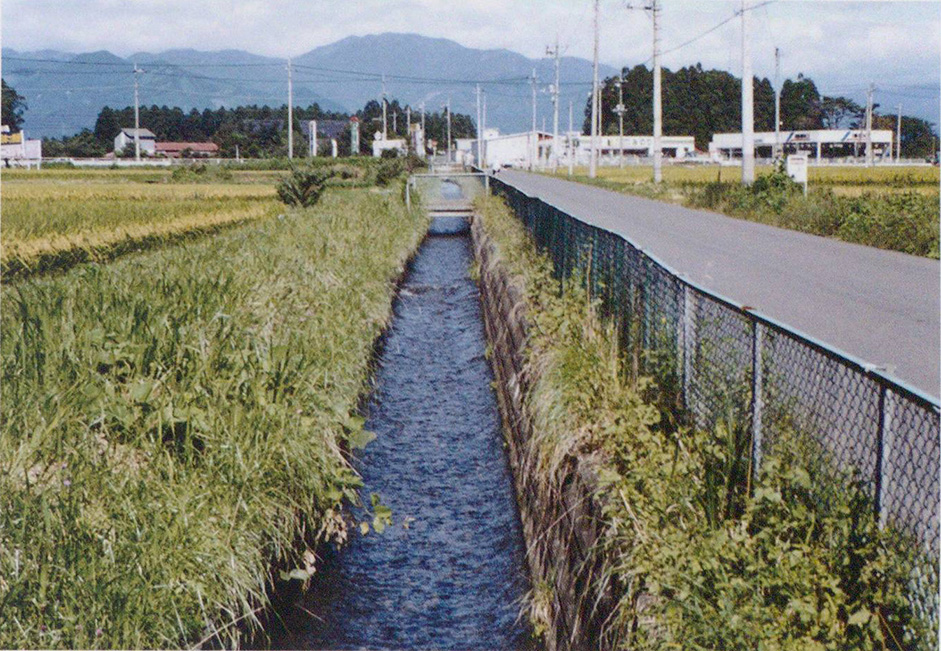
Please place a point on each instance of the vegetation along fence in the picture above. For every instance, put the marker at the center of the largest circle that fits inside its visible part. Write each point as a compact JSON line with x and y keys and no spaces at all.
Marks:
{"x":725,"y":363}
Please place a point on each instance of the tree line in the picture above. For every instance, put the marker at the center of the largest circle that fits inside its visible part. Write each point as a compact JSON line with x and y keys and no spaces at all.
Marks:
{"x":700,"y":103}
{"x":256,"y":131}
{"x":696,"y":102}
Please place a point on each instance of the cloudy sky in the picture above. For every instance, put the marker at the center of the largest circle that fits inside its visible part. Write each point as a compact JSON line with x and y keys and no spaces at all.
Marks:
{"x":842,"y":45}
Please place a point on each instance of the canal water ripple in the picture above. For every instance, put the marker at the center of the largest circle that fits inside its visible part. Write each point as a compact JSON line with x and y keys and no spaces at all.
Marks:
{"x":450,"y":572}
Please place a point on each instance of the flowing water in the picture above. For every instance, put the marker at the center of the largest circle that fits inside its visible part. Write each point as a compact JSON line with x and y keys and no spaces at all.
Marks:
{"x":450,"y":572}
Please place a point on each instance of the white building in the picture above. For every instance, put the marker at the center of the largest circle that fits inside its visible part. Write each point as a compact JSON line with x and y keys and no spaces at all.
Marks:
{"x":518,"y":149}
{"x":379,"y":145}
{"x":148,"y":141}
{"x":818,"y":142}
{"x":17,"y":151}
{"x":513,"y":149}
{"x":611,"y":150}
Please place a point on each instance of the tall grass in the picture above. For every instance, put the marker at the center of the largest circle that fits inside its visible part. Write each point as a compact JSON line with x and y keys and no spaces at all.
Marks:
{"x":697,"y":557}
{"x":174,"y":424}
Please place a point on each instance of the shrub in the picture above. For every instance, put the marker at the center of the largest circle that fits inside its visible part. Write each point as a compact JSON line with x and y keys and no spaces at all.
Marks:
{"x":414,"y":162}
{"x":200,"y":173}
{"x":303,"y":188}
{"x":388,"y":170}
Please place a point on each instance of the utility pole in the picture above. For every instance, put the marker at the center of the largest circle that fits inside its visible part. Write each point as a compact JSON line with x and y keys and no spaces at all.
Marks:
{"x":619,"y":109}
{"x":137,"y":71}
{"x":385,"y":133}
{"x":480,"y":139}
{"x":571,"y":142}
{"x":593,"y":163}
{"x":290,"y":112}
{"x":449,"y":128}
{"x":423,"y":136}
{"x":777,"y":102}
{"x":869,"y":105}
{"x":408,"y":127}
{"x":484,"y":120}
{"x":657,"y":96}
{"x":533,"y":148}
{"x":395,"y":123}
{"x":898,"y":137}
{"x":748,"y":105}
{"x":554,"y":51}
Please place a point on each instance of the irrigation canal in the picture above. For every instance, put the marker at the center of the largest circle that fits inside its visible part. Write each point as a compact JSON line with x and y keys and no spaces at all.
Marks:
{"x":450,"y":572}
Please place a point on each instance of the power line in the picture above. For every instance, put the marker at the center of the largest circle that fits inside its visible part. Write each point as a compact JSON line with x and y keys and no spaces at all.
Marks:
{"x":152,"y":64}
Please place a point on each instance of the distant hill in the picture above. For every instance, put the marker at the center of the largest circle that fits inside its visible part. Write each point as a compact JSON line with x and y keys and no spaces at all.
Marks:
{"x":65,"y":91}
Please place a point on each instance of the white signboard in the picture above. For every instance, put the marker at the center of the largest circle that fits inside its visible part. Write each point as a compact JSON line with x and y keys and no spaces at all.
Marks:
{"x":797,"y":168}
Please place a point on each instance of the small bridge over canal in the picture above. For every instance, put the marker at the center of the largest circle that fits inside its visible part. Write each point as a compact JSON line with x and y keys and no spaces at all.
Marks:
{"x":448,"y":194}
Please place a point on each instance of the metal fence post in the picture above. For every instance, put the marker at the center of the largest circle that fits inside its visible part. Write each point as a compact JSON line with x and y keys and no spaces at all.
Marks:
{"x":757,"y":398}
{"x":689,"y":345}
{"x":883,"y":449}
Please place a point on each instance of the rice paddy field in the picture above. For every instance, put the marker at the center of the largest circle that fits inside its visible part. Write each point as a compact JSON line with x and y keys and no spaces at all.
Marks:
{"x":56,"y":218}
{"x":926,"y":177}
{"x":176,"y":423}
{"x":889,"y":207}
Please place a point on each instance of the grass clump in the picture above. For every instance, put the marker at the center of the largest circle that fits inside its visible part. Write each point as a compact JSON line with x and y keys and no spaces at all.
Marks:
{"x":698,"y":556}
{"x":174,"y":425}
{"x":303,"y":187}
{"x":200,"y":173}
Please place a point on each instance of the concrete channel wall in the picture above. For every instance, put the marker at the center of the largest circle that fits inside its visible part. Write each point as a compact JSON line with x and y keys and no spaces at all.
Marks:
{"x":561,"y":520}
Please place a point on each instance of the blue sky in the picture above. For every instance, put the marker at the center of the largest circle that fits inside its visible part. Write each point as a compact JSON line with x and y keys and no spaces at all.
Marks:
{"x":842,"y":45}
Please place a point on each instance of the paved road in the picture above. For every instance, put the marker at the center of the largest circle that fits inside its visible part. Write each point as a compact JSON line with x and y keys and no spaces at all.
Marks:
{"x":880,"y":306}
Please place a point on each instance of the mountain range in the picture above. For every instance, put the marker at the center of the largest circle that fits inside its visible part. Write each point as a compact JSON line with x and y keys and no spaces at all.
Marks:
{"x":65,"y":91}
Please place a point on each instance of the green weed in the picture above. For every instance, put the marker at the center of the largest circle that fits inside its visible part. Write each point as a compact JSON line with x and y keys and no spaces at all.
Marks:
{"x":701,"y":558}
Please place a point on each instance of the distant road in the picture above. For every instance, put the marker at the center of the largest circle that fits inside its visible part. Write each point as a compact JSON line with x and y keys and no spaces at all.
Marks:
{"x":880,"y":306}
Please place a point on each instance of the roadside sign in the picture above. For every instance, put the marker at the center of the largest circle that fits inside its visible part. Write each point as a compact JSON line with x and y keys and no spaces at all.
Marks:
{"x":797,"y":169}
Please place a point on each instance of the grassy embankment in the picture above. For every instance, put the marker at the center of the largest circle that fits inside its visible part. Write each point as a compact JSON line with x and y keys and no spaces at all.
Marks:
{"x":701,"y":559}
{"x":885,"y":207}
{"x":175,"y":423}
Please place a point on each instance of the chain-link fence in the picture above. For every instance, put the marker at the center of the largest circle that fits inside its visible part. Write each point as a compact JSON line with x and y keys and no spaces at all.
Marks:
{"x":724,"y":362}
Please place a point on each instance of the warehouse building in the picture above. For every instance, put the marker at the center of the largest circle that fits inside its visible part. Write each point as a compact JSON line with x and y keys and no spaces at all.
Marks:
{"x":518,"y":149}
{"x":818,"y":143}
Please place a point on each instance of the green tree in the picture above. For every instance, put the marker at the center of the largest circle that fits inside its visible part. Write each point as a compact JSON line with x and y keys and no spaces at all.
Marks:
{"x":839,"y":112}
{"x":84,"y":144}
{"x":696,"y":102}
{"x":801,"y":106}
{"x":14,"y":105}
{"x":918,"y":136}
{"x":106,"y":126}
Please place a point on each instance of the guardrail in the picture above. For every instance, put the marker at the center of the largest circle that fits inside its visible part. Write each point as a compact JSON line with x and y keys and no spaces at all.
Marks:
{"x":726,"y":362}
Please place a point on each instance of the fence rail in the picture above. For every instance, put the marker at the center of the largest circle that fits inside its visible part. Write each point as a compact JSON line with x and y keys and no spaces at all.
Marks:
{"x":725,"y":361}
